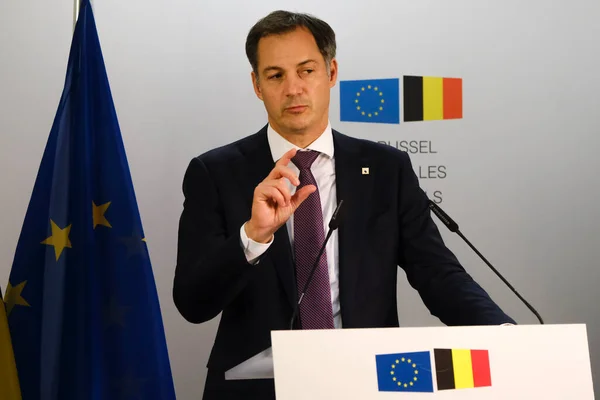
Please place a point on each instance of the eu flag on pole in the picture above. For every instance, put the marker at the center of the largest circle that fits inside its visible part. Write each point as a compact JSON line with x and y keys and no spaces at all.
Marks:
{"x":82,"y":304}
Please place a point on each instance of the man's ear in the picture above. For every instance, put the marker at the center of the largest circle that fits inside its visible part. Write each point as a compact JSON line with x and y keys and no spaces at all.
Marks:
{"x":333,"y":72}
{"x":256,"y":85}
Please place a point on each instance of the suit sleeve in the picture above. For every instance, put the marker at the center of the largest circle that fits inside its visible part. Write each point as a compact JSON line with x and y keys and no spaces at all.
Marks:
{"x":211,"y":267}
{"x":447,"y":290}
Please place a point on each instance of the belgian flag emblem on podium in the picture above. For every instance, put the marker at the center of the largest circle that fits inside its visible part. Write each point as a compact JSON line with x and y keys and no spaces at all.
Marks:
{"x":462,"y":369}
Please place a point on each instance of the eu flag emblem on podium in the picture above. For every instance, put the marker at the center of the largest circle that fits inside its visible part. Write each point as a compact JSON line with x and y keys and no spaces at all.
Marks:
{"x":82,"y":304}
{"x":404,"y":372}
{"x":375,"y":100}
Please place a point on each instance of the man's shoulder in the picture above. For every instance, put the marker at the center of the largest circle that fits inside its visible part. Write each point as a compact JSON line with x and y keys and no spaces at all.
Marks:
{"x":369,"y":148}
{"x":232,"y":151}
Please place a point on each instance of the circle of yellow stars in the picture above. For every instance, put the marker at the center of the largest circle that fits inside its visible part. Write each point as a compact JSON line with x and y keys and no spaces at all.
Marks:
{"x":381,"y":101}
{"x":410,"y":364}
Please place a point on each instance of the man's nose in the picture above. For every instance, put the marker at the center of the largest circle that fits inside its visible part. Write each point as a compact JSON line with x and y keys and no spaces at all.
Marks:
{"x":294,"y":85}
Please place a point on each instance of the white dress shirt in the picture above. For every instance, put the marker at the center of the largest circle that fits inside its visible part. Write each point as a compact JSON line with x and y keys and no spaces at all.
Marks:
{"x":323,"y":169}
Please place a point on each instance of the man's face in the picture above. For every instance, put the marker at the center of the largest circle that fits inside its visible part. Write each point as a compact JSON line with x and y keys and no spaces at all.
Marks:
{"x":293,"y":82}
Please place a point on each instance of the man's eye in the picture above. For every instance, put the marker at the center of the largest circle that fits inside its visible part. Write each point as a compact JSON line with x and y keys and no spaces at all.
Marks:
{"x":275,"y":76}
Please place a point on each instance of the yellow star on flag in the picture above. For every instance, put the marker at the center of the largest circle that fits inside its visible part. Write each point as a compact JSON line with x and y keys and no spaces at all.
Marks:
{"x":13,"y":297}
{"x":59,"y":239}
{"x":99,"y":218}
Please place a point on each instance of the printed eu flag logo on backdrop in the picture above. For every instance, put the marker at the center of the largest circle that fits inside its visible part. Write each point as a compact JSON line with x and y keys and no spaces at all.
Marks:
{"x":404,"y":372}
{"x":376,"y":100}
{"x":82,"y":305}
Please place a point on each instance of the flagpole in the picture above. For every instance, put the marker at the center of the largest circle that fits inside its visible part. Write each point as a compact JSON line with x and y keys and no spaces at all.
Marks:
{"x":75,"y":12}
{"x":76,"y":8}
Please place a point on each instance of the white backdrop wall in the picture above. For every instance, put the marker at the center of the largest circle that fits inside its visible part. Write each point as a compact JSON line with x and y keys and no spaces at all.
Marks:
{"x":521,"y":166}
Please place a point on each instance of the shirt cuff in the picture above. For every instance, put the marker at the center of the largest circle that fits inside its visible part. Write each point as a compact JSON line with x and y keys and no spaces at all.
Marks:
{"x":252,"y":249}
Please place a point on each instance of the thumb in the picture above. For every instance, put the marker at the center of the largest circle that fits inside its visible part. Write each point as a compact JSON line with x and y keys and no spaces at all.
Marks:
{"x":302,"y":195}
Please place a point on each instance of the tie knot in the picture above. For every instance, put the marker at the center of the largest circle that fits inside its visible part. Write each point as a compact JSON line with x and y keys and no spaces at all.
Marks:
{"x":304,"y":158}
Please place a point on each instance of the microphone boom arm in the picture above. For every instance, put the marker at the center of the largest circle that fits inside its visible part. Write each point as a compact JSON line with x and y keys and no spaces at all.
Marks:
{"x":453,"y":227}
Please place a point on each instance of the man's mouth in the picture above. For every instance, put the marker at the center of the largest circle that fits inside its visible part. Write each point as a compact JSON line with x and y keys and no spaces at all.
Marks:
{"x":296,"y":109}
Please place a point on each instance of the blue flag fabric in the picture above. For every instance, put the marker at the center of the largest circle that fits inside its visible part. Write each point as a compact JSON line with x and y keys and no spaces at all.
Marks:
{"x":373,"y":100}
{"x":404,"y":372}
{"x":84,"y":314}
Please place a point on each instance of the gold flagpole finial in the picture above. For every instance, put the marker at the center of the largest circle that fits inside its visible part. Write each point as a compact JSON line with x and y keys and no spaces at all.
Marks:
{"x":75,"y":12}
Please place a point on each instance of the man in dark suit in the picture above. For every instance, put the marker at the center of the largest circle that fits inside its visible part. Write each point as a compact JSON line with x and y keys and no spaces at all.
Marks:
{"x":256,"y":213}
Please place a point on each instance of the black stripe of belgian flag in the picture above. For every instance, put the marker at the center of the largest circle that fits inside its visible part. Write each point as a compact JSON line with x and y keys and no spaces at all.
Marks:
{"x":444,"y":369}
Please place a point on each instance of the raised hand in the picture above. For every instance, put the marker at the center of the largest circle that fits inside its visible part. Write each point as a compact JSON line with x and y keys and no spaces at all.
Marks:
{"x":272,"y":204}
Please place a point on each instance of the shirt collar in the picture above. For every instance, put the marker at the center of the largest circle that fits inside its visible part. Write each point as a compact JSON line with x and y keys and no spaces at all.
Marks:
{"x":279,"y":145}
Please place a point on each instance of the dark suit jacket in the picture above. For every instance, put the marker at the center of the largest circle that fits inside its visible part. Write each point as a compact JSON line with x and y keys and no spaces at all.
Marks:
{"x":387,"y":224}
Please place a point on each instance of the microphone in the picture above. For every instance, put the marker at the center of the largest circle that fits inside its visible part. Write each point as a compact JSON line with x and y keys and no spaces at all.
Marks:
{"x":453,"y":227}
{"x":334,"y":223}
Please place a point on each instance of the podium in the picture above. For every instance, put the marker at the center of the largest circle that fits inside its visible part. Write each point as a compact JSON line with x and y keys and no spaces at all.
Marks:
{"x":478,"y":362}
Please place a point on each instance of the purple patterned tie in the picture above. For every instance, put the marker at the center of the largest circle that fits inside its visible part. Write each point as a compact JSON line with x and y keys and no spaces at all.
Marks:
{"x":309,"y":234}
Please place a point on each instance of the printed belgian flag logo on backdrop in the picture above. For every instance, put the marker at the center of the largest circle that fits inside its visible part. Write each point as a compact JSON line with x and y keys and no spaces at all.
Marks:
{"x":413,"y":372}
{"x":432,"y":98}
{"x":424,"y":98}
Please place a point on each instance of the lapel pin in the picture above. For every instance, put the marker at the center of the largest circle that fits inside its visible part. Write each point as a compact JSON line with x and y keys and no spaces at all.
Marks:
{"x":365,"y":171}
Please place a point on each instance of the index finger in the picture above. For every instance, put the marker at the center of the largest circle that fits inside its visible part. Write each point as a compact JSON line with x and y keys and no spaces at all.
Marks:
{"x":286,"y":158}
{"x":283,"y":172}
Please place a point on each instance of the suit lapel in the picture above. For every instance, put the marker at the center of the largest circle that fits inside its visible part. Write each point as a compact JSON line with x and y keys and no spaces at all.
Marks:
{"x":352,"y":185}
{"x":254,"y":168}
{"x":355,"y":187}
{"x":255,"y":164}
